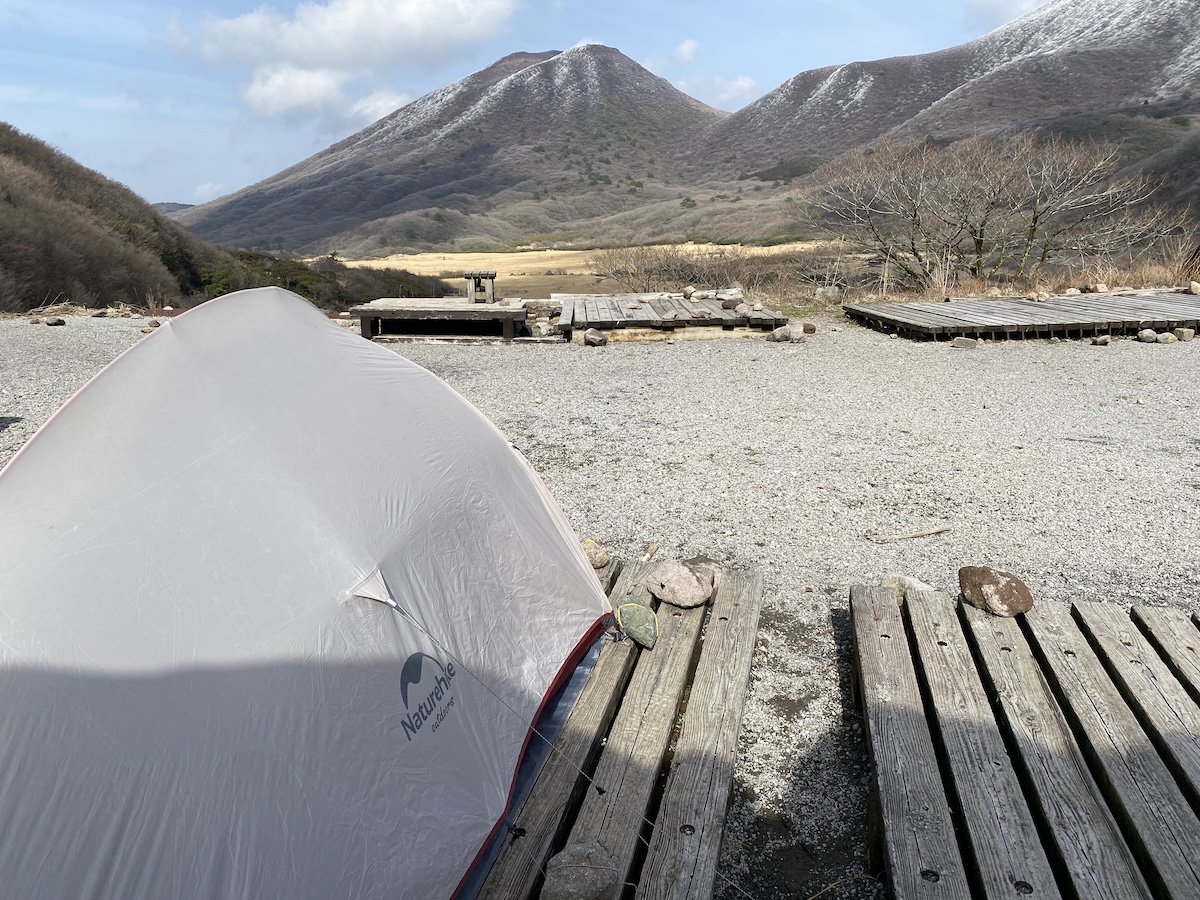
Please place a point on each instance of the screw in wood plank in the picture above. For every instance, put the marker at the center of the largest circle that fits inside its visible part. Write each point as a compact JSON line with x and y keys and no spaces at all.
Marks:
{"x":687,"y":829}
{"x":931,"y":876}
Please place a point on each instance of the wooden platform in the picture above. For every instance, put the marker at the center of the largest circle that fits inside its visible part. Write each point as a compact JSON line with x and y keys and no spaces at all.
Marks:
{"x":635,"y":790}
{"x":1052,"y":755}
{"x":454,"y":309}
{"x":1074,"y":316}
{"x":608,"y":311}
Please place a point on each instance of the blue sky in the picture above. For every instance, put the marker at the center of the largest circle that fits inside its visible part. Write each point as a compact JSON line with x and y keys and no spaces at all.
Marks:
{"x":185,"y":103}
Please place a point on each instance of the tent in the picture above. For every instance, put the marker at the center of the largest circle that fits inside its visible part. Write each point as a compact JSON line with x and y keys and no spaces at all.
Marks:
{"x":278,"y":610}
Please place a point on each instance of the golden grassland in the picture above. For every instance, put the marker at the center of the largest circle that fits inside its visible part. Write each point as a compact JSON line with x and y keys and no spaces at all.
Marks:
{"x":535,"y":273}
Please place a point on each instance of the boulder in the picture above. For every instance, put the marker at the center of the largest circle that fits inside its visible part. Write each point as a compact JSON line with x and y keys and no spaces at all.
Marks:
{"x":831,"y":294}
{"x":1102,"y":340}
{"x":688,"y":291}
{"x":701,"y":313}
{"x":1194,"y":288}
{"x":1185,"y":334}
{"x":153,"y":323}
{"x":673,"y":582}
{"x":1167,"y":338}
{"x":808,"y":327}
{"x":1148,"y":336}
{"x":731,"y":303}
{"x":1100,"y":287}
{"x":743,"y":309}
{"x":964,"y":343}
{"x":639,"y":622}
{"x":671,"y":314}
{"x":593,"y":337}
{"x":994,"y":590}
{"x":596,"y":553}
{"x":55,"y":320}
{"x":1072,"y":292}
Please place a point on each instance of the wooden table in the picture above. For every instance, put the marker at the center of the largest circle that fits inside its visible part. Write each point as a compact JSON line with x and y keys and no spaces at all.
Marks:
{"x":454,"y":309}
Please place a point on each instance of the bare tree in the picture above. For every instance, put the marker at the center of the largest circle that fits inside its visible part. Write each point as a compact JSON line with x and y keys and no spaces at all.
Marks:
{"x":983,"y":206}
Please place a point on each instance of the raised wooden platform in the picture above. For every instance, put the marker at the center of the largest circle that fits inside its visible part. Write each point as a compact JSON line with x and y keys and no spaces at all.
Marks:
{"x":1074,"y":316}
{"x":634,"y":790}
{"x":662,"y":311}
{"x":453,"y":309}
{"x":1052,"y":755}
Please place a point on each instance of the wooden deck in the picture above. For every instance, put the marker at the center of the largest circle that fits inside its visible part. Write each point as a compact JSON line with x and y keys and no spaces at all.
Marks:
{"x":1052,"y":755}
{"x":418,"y":312}
{"x":1074,"y":316}
{"x":609,"y":311}
{"x":634,"y":786}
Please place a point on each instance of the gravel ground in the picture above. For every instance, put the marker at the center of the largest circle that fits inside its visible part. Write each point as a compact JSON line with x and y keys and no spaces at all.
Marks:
{"x":1074,"y":466}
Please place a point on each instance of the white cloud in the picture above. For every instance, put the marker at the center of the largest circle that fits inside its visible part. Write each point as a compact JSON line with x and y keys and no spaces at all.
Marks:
{"x":355,"y":35}
{"x":723,"y":93}
{"x":686,"y":51}
{"x":374,"y":107}
{"x":284,"y":88}
{"x":302,"y":61}
{"x":989,"y":14}
{"x":207,"y":191}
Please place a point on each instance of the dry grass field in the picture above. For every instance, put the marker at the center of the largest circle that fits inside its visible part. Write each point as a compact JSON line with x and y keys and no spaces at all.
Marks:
{"x":534,"y":273}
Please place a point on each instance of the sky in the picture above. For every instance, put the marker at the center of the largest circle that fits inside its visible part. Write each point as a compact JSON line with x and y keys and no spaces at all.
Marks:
{"x":185,"y":103}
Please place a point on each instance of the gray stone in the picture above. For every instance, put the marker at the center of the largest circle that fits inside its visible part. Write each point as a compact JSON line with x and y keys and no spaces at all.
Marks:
{"x":964,"y":343}
{"x":994,"y":590}
{"x":1072,"y":292}
{"x":1194,"y":288}
{"x":35,"y":321}
{"x":639,"y":622}
{"x":582,"y":872}
{"x":1185,"y":334}
{"x":1148,"y":336}
{"x":701,"y":313}
{"x":1102,"y":340}
{"x":808,"y":327}
{"x":594,"y":338}
{"x":743,"y":309}
{"x":780,"y":335}
{"x":146,"y":329}
{"x":830,"y":294}
{"x":904,"y":585}
{"x":1167,"y":338}
{"x":153,"y":323}
{"x":673,"y":582}
{"x":596,"y":553}
{"x":757,"y":307}
{"x":56,"y":320}
{"x":671,"y":314}
{"x":541,"y":328}
{"x":688,"y":291}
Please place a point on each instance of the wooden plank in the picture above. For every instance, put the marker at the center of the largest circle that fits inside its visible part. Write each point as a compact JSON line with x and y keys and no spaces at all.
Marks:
{"x":1008,"y":855}
{"x":922,"y":856}
{"x":1167,"y":712}
{"x":1156,"y":818}
{"x":1177,"y":640}
{"x":567,"y":316}
{"x":1061,"y":790}
{"x":631,"y":764}
{"x":682,"y":861}
{"x":544,"y":816}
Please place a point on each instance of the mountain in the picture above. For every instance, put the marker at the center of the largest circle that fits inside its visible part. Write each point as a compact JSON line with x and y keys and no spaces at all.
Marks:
{"x":68,"y":234}
{"x":587,"y":146}
{"x":1070,"y":58}
{"x":550,"y":137}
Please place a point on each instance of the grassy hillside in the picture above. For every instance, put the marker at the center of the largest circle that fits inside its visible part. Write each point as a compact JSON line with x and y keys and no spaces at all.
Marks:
{"x":70,"y":235}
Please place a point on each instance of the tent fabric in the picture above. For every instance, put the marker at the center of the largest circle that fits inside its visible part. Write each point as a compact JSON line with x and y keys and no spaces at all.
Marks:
{"x":277,"y":611}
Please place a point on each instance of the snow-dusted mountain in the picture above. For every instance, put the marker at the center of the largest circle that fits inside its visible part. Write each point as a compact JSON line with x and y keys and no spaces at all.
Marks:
{"x":1067,"y":58}
{"x":554,"y":133}
{"x":586,"y":143}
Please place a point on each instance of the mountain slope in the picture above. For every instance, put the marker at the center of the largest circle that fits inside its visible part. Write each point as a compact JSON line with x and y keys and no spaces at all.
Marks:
{"x":1066,"y":58}
{"x":548,"y":135}
{"x":68,"y":234}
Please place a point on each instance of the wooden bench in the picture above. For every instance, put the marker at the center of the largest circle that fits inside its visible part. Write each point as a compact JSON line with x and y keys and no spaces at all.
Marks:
{"x":1052,"y":755}
{"x":454,"y":309}
{"x":640,"y":775}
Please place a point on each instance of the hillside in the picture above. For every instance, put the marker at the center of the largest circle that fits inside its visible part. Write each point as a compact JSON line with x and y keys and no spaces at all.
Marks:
{"x":68,"y":234}
{"x":550,"y":138}
{"x":587,"y":147}
{"x":1066,"y":60}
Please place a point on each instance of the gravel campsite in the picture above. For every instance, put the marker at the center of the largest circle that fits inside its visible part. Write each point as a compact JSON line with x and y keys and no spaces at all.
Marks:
{"x":1076,"y":467}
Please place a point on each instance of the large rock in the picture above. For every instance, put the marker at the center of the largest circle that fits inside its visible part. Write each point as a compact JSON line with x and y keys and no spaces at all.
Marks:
{"x":56,"y":320}
{"x":639,"y":622}
{"x":1148,"y":336}
{"x":1167,"y":338}
{"x":582,"y":872}
{"x":831,"y":294}
{"x":743,"y":309}
{"x":593,"y":337}
{"x":998,"y":592}
{"x":1185,"y":334}
{"x":964,"y":343}
{"x":596,"y":554}
{"x":1194,"y":287}
{"x":673,"y":582}
{"x":792,"y":332}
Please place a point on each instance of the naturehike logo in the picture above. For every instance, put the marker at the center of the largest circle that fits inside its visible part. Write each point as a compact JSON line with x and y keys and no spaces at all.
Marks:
{"x":435,"y":705}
